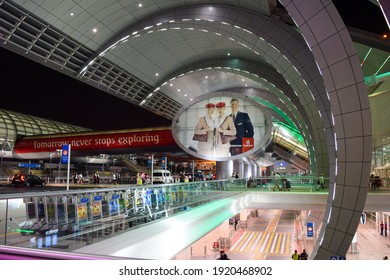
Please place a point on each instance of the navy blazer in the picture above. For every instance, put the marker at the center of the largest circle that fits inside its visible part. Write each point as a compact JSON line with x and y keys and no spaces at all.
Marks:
{"x":244,"y":127}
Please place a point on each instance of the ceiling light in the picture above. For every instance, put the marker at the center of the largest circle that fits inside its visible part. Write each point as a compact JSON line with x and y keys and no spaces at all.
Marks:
{"x":71,"y":14}
{"x":94,"y":30}
{"x":170,"y":84}
{"x":156,"y":74}
{"x":206,"y":77}
{"x":140,"y":5}
{"x":228,"y":54}
{"x":178,"y":89}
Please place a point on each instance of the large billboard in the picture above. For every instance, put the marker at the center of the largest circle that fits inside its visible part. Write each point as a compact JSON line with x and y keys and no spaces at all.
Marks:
{"x":220,"y":128}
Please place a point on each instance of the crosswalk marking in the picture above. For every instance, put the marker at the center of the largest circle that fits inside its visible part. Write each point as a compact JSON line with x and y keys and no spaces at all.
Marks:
{"x":263,"y":242}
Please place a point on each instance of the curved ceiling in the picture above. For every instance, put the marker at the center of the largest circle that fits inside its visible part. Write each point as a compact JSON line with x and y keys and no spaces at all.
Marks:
{"x":164,"y":53}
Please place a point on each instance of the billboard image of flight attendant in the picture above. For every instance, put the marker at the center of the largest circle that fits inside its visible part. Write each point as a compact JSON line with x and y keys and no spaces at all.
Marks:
{"x":219,"y":128}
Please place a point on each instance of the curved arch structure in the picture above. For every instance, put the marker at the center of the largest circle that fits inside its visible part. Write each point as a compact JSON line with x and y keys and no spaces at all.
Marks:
{"x":349,"y":176}
{"x":310,"y":71}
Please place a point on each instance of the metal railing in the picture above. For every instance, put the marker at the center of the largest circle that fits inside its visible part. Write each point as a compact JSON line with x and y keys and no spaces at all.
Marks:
{"x":67,"y":220}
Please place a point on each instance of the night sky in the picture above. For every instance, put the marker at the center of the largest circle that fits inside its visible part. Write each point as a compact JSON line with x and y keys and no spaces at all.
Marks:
{"x":31,"y":88}
{"x":34,"y":89}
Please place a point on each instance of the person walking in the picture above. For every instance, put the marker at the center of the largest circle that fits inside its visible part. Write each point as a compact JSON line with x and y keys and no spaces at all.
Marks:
{"x":385,"y":229}
{"x":303,"y":255}
{"x":322,"y":181}
{"x":295,"y":256}
{"x":382,"y":226}
{"x":223,"y":256}
{"x":276,"y":182}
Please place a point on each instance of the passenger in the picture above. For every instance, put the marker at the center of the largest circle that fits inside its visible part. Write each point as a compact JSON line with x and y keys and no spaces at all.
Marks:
{"x":385,"y":258}
{"x":223,"y":256}
{"x":372,"y":182}
{"x":75,"y":178}
{"x":322,"y":181}
{"x":303,"y":255}
{"x":276,"y":182}
{"x":295,"y":256}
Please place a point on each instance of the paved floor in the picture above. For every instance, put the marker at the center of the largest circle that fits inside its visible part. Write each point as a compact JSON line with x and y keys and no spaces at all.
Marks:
{"x":273,"y":236}
{"x":370,"y":244}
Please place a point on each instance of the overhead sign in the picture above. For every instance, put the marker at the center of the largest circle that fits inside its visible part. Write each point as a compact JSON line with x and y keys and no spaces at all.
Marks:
{"x":163,"y":162}
{"x":310,"y":229}
{"x":29,"y":165}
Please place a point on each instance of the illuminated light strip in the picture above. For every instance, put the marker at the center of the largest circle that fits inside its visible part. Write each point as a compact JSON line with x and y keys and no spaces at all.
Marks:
{"x":384,"y":14}
{"x":364,"y":59}
{"x":376,"y":73}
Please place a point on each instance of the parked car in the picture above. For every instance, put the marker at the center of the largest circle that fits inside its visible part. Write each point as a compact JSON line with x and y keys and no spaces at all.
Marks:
{"x":27,"y":180}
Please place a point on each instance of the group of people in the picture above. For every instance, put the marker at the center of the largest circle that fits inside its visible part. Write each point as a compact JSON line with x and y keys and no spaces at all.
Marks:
{"x":224,"y":132}
{"x":301,"y":256}
{"x":375,"y":182}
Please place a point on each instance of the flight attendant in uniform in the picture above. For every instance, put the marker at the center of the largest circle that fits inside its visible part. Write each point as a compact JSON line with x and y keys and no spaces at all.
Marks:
{"x":206,"y":125}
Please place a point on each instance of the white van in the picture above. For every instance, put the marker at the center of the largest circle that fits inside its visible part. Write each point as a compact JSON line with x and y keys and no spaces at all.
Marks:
{"x":161,"y":176}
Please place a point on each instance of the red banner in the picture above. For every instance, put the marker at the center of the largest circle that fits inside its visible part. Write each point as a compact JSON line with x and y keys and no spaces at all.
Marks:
{"x":247,"y":144}
{"x":137,"y":139}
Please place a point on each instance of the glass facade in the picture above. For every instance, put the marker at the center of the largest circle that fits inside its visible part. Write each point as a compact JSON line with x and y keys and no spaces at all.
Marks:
{"x":13,"y":125}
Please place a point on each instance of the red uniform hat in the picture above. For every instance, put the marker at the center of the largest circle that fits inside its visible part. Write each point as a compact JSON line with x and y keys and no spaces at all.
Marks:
{"x":221,"y":105}
{"x":210,"y":105}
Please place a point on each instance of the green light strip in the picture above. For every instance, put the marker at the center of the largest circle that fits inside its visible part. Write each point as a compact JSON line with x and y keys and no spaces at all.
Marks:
{"x":275,"y":109}
{"x":376,"y":73}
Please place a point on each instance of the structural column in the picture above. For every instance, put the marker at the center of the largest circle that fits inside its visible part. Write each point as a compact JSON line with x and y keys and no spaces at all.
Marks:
{"x":224,"y":169}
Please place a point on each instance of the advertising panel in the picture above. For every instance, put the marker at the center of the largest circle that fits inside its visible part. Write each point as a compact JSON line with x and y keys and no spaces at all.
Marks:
{"x":82,"y":211}
{"x":136,"y":139}
{"x":219,"y":128}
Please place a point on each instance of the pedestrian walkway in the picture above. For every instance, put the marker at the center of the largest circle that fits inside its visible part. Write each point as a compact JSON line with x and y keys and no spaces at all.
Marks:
{"x":273,"y":236}
{"x":370,"y":244}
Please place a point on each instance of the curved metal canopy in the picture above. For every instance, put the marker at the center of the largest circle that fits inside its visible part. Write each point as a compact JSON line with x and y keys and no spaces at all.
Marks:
{"x":161,"y":54}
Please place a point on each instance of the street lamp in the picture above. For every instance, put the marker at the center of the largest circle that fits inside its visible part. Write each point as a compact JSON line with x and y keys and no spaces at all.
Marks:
{"x":59,"y":152}
{"x":51,"y":157}
{"x":103,"y":157}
